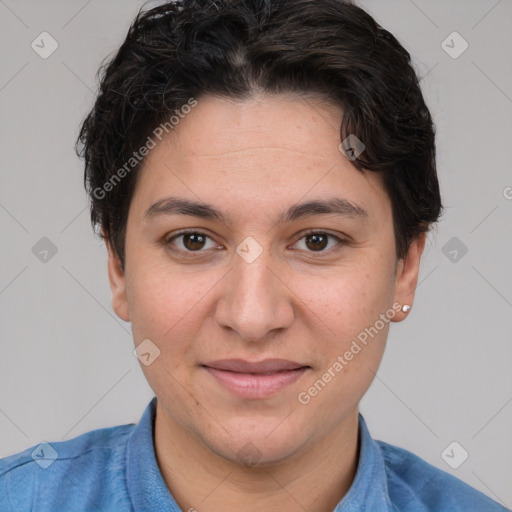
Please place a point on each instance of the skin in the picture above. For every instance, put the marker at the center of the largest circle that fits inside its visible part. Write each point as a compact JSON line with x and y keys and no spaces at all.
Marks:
{"x":253,"y":159}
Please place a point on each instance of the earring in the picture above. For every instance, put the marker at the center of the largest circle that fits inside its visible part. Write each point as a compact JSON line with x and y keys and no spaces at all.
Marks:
{"x":406,"y":308}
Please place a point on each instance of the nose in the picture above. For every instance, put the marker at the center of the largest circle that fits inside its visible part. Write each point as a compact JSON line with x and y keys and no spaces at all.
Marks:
{"x":255,"y":300}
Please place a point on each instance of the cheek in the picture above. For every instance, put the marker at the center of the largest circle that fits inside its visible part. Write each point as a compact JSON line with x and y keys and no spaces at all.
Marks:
{"x":164,"y":302}
{"x":165,"y":308}
{"x":347,"y":300}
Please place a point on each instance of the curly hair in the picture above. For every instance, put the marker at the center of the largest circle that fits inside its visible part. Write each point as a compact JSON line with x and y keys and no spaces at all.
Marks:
{"x":186,"y":49}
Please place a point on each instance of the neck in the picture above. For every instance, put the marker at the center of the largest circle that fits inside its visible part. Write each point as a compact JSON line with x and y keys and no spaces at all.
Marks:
{"x":317,"y":478}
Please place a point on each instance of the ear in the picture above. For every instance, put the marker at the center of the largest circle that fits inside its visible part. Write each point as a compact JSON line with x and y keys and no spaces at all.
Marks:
{"x":117,"y":284}
{"x":407,"y":275}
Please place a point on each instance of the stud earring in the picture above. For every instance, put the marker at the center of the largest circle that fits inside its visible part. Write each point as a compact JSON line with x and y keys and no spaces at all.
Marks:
{"x":406,"y":308}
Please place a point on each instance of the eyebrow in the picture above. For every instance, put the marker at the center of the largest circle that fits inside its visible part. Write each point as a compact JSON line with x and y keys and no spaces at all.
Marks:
{"x":180,"y":206}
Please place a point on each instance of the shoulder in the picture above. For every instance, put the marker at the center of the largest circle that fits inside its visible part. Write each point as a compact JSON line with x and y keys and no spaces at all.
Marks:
{"x":81,"y":472}
{"x":415,"y":485}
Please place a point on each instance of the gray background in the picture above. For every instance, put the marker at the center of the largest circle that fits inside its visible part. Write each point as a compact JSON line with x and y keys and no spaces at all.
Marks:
{"x":66,"y":364}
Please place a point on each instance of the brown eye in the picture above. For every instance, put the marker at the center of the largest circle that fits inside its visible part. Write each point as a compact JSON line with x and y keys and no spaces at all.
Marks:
{"x":316,"y":241}
{"x":190,"y":241}
{"x":193,"y":241}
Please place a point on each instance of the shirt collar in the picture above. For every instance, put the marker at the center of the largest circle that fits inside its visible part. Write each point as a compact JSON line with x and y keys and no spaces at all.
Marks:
{"x":369,"y":490}
{"x":148,"y":490}
{"x":146,"y":485}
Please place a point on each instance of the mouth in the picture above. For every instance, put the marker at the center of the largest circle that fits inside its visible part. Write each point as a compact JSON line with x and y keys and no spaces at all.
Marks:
{"x":255,"y":379}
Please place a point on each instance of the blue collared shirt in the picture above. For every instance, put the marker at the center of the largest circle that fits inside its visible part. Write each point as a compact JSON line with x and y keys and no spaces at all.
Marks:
{"x":115,"y":470}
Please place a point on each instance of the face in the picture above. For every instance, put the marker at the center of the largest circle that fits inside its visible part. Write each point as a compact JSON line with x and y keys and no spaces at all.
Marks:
{"x":260,"y":310}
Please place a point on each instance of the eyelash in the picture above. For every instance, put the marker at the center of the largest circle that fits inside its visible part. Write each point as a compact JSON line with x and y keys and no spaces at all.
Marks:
{"x":341,"y":241}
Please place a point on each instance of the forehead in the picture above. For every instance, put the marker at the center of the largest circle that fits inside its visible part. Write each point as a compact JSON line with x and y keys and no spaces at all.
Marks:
{"x":219,"y":126}
{"x":278,"y":149}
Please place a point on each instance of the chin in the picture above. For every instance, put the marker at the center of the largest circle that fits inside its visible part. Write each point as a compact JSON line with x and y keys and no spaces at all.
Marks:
{"x":262,"y":448}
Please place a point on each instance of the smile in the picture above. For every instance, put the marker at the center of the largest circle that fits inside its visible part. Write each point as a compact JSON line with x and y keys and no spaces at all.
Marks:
{"x":255,"y":380}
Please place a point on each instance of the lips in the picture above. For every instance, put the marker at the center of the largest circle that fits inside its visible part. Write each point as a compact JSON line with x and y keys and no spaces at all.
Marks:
{"x":255,"y":380}
{"x":266,"y":366}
